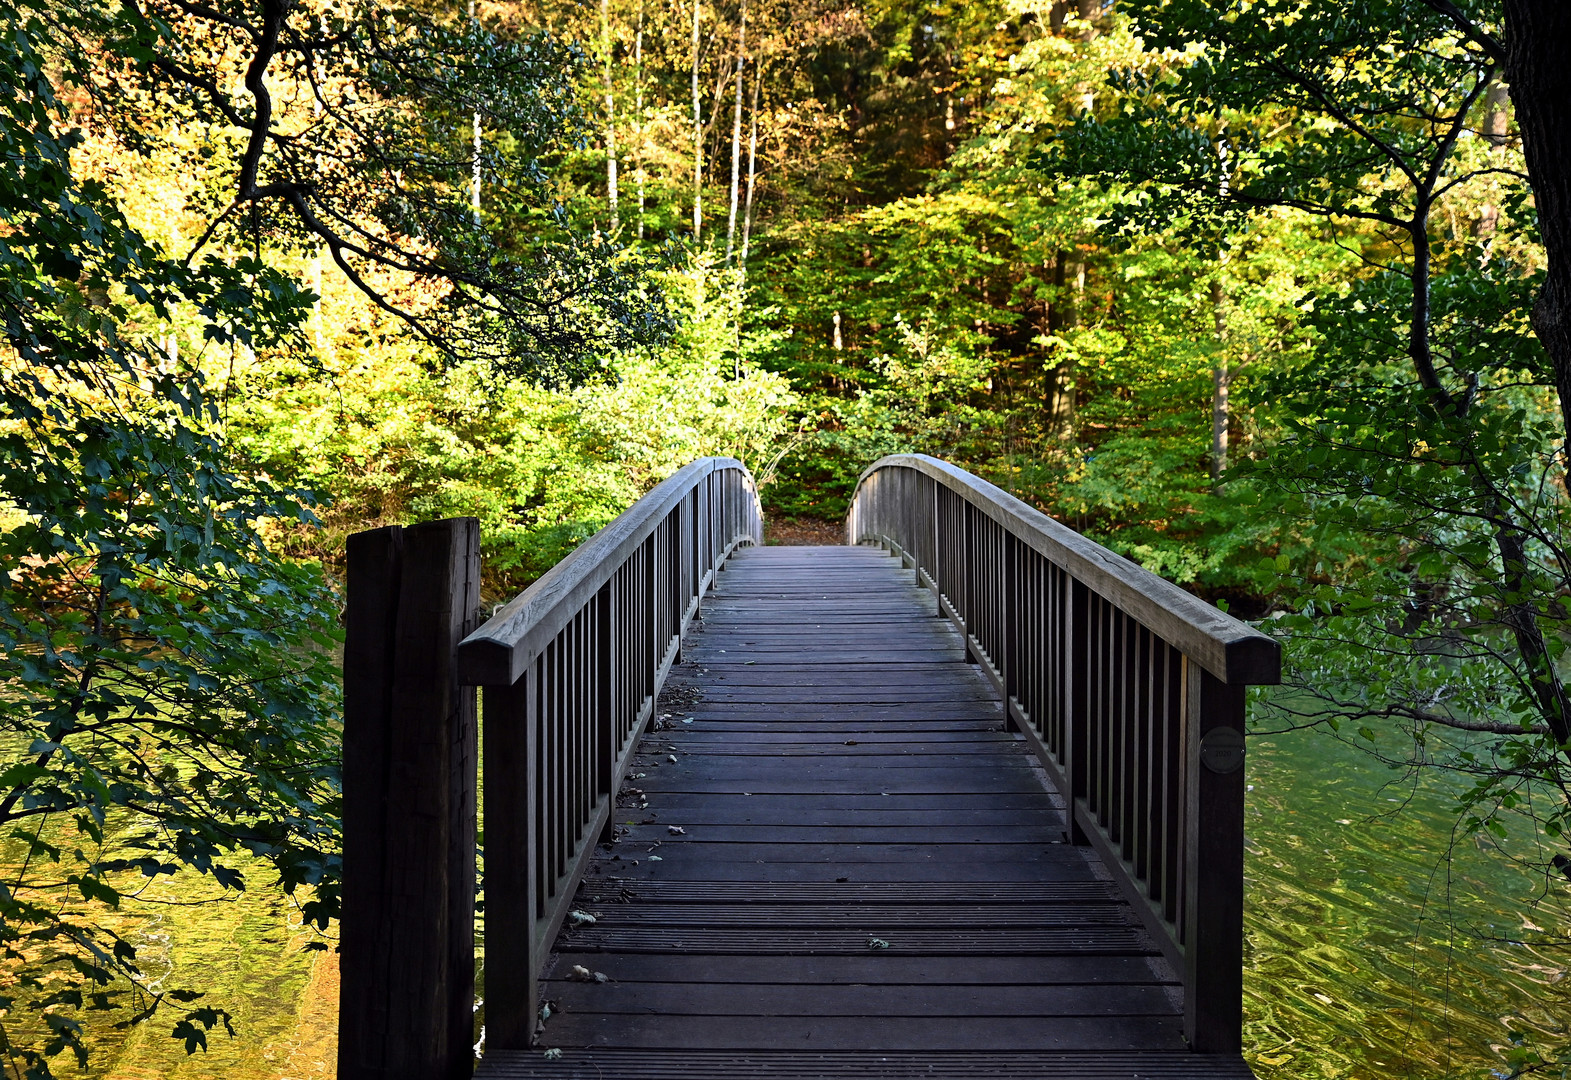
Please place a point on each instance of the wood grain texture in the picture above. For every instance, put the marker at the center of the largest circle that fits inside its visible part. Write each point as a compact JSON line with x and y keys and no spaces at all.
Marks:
{"x":839,"y":861}
{"x":407,"y":984}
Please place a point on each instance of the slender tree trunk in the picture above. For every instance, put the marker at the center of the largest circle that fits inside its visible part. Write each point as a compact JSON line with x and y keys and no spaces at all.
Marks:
{"x":1062,"y":314}
{"x":638,"y":112}
{"x":1538,"y":41}
{"x":736,"y":132}
{"x":698,"y":139}
{"x":610,"y":117}
{"x":474,"y":177}
{"x":1220,"y":378}
{"x":752,"y":171}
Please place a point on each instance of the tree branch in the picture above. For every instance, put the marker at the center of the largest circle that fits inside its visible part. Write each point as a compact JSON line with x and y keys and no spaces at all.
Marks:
{"x":1470,"y":30}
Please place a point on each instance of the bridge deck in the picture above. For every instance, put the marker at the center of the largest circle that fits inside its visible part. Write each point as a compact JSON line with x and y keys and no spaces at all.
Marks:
{"x":846,"y":865}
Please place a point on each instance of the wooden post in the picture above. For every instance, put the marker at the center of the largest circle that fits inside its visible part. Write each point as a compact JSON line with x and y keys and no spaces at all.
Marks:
{"x":406,"y":995}
{"x":1214,"y":842}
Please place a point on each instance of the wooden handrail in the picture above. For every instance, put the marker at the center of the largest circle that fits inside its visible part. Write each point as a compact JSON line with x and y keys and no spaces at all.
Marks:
{"x":571,"y":669}
{"x":1130,"y":690}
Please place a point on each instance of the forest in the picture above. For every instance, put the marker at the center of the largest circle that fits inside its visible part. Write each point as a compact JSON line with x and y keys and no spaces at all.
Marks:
{"x":1270,"y":297}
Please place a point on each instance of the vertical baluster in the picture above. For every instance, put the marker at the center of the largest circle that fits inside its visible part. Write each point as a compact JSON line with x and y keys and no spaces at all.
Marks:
{"x":574,"y":731}
{"x":1172,"y":767}
{"x":1145,"y":777}
{"x":646,"y":629}
{"x":1104,"y":689}
{"x":583,"y":718}
{"x":610,"y":746}
{"x":1129,"y":744}
{"x":1078,"y":652}
{"x":556,"y":758}
{"x":1010,"y":617}
{"x":512,"y":871}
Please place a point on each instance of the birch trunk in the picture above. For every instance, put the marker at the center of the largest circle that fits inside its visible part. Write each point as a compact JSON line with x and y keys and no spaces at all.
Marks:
{"x":752,"y":172}
{"x":474,"y":175}
{"x":610,"y":116}
{"x":736,"y":133}
{"x":698,"y":140}
{"x":1220,"y":377}
{"x":638,"y":111}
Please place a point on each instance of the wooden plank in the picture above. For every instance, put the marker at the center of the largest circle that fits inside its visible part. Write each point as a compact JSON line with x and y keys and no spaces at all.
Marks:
{"x":855,"y":1032}
{"x":619,"y":890}
{"x":951,"y":856}
{"x":794,"y":814}
{"x":765,"y":918}
{"x":965,"y":1002}
{"x":645,"y":1063}
{"x":858,"y":800}
{"x":789,"y":867}
{"x":840,"y":834}
{"x":871,"y":969}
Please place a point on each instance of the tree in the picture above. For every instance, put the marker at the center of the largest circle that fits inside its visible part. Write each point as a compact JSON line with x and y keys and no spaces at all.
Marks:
{"x":168,"y":696}
{"x":1422,"y":430}
{"x":346,"y":126}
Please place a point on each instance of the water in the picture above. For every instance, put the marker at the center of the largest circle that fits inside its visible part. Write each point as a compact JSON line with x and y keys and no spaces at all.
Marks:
{"x":1380,"y":943}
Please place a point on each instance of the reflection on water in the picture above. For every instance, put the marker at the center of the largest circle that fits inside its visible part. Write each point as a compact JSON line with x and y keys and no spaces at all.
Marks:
{"x":1380,"y":943}
{"x":245,"y":951}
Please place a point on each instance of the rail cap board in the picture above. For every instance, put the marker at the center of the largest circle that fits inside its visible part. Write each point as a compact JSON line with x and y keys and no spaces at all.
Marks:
{"x":1230,"y":649}
{"x":498,"y":652}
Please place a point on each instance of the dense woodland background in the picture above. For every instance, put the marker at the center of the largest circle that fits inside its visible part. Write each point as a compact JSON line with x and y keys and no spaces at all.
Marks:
{"x":1244,"y":291}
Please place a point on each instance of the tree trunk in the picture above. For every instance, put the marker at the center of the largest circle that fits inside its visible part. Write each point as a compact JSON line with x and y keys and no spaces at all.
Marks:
{"x":474,"y":180}
{"x":638,"y":112}
{"x":736,"y":133}
{"x":1220,"y":378}
{"x":610,"y":117}
{"x":1063,"y":314}
{"x":1496,"y":123}
{"x":1538,"y":41}
{"x":752,"y":171}
{"x":698,"y":139}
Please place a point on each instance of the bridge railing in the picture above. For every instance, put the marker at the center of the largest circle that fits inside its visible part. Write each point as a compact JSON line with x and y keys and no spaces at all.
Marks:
{"x":571,"y":669}
{"x":1130,"y":690}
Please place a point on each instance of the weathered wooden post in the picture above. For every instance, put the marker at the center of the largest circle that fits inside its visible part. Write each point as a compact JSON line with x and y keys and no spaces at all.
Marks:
{"x":406,"y":996}
{"x":1214,"y":881}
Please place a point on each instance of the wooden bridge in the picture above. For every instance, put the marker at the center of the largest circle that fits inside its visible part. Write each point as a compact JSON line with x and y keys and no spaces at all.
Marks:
{"x":962,"y":798}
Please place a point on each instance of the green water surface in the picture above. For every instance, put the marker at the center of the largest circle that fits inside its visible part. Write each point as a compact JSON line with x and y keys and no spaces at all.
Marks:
{"x":1380,"y":942}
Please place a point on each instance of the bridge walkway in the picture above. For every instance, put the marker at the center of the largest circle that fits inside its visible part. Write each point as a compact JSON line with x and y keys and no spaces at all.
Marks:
{"x":833,"y":858}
